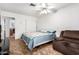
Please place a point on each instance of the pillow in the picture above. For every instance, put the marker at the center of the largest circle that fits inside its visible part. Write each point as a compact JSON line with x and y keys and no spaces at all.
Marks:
{"x":44,"y":31}
{"x":48,"y":31}
{"x":51,"y":31}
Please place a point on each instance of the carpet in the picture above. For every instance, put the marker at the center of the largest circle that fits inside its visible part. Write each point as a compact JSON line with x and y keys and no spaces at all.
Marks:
{"x":18,"y":47}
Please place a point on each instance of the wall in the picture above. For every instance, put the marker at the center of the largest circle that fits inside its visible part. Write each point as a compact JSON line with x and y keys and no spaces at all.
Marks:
{"x":65,"y":19}
{"x":20,"y":22}
{"x":30,"y":24}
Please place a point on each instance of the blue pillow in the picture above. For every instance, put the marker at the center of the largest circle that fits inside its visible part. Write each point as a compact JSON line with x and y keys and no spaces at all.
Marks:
{"x":51,"y":31}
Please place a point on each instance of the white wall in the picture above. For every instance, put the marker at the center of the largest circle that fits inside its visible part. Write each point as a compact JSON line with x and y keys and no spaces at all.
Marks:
{"x":65,"y":19}
{"x":30,"y":24}
{"x":20,"y":22}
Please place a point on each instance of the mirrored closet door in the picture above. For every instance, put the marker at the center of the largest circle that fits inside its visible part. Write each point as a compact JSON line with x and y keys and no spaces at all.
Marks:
{"x":8,"y":26}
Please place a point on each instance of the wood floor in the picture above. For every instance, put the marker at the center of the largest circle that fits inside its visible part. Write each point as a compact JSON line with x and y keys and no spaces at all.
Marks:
{"x":18,"y":47}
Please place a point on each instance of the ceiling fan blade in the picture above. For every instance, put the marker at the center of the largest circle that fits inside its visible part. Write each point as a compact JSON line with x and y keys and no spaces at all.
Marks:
{"x":38,"y":8}
{"x":32,"y":4}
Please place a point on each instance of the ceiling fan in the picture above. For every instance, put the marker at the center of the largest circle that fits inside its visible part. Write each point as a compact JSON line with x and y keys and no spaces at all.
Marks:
{"x":32,"y":4}
{"x":43,"y":8}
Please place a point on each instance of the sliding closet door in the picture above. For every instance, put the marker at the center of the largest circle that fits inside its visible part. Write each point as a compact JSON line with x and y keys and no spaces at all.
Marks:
{"x":0,"y":29}
{"x":2,"y":25}
{"x":7,"y":25}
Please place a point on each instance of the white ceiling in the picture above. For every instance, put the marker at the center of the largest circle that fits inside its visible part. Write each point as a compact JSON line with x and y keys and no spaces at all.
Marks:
{"x":24,"y":8}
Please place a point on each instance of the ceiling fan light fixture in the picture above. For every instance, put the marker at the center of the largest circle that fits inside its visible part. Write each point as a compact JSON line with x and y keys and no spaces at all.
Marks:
{"x":44,"y":8}
{"x":45,"y":11}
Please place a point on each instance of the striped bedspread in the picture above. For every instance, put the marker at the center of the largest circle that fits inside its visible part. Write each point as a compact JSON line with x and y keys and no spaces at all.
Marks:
{"x":34,"y":39}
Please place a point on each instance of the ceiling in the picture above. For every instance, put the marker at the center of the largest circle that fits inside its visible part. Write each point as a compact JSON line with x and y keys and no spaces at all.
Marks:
{"x":26,"y":9}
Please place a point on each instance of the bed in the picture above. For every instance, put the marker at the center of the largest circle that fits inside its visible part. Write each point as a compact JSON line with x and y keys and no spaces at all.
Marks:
{"x":33,"y":39}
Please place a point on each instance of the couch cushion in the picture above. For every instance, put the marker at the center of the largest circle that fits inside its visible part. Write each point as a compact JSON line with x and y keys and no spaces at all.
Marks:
{"x":64,"y":47}
{"x":71,"y":40}
{"x":74,"y":45}
{"x":71,"y":34}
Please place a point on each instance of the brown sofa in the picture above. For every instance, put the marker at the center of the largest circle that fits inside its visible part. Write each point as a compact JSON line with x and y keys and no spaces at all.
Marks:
{"x":68,"y":42}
